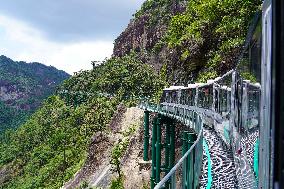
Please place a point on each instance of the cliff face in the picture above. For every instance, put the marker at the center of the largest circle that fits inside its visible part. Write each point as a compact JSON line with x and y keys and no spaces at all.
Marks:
{"x":145,"y":35}
{"x":188,"y":41}
{"x":138,"y":36}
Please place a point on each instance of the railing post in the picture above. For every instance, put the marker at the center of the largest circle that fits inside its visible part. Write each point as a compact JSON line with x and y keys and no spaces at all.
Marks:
{"x":158,"y":149}
{"x":167,"y":150}
{"x":172,"y":151}
{"x":184,"y":164}
{"x":190,"y":179}
{"x":146,"y":136}
{"x":154,"y":140}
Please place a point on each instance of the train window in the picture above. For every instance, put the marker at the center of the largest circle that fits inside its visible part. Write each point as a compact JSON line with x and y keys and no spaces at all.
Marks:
{"x":255,"y":54}
{"x":249,"y":65}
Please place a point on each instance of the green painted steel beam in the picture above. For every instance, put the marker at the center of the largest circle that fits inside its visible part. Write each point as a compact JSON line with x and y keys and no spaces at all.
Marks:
{"x":172,"y":143}
{"x":146,"y":136}
{"x":158,"y":149}
{"x":185,"y":163}
{"x":167,"y":151}
{"x":154,"y":140}
{"x":191,"y":138}
{"x":172,"y":150}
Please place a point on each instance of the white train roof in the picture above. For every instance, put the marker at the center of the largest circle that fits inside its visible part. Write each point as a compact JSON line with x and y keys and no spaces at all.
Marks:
{"x":224,"y":87}
{"x":171,"y":88}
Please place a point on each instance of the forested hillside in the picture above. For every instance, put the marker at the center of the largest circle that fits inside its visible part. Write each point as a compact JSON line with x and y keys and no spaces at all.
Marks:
{"x":23,"y":86}
{"x":166,"y":42}
{"x":51,"y":146}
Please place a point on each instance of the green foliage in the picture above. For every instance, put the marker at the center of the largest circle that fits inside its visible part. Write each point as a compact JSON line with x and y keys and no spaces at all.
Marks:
{"x":145,"y":185}
{"x":52,"y":145}
{"x":163,"y":72}
{"x":210,"y":31}
{"x":231,"y":44}
{"x":158,"y":46}
{"x":120,"y":148}
{"x":151,"y":5}
{"x":248,"y":76}
{"x":117,"y":153}
{"x":84,"y":185}
{"x":126,"y":77}
{"x":154,"y":14}
{"x":178,"y":30}
{"x":204,"y":76}
{"x":117,"y":183}
{"x":25,"y":86}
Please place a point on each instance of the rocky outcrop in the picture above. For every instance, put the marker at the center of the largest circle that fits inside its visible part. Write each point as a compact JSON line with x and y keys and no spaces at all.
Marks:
{"x":139,"y":36}
{"x":145,"y":34}
{"x":97,"y":170}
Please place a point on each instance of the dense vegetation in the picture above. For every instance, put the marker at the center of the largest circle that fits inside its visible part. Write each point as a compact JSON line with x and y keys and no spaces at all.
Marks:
{"x":11,"y":117}
{"x":159,"y":11}
{"x":195,"y":40}
{"x":47,"y":150}
{"x":210,"y":34}
{"x":22,"y":89}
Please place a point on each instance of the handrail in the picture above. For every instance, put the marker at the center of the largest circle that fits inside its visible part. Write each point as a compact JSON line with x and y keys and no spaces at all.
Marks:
{"x":179,"y":163}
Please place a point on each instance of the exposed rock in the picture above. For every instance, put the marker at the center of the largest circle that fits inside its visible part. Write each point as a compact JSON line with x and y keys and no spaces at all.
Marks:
{"x":143,"y":35}
{"x":97,"y":170}
{"x":5,"y":173}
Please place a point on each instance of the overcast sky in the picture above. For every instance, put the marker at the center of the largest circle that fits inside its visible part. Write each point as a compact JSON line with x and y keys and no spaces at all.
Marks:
{"x":67,"y":34}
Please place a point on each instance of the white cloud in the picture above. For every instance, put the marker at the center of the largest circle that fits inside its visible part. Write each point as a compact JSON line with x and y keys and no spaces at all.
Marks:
{"x":20,"y":41}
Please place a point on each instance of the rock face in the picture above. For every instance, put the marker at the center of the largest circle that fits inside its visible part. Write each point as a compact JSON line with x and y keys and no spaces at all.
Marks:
{"x":145,"y":35}
{"x":23,"y":86}
{"x":97,"y":170}
{"x":138,"y":36}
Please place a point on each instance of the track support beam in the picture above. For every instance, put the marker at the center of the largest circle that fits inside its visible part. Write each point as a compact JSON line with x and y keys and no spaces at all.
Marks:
{"x":146,"y":136}
{"x":154,"y":140}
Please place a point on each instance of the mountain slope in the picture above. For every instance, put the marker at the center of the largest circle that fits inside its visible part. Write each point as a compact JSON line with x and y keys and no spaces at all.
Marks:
{"x":23,"y":86}
{"x":52,"y":145}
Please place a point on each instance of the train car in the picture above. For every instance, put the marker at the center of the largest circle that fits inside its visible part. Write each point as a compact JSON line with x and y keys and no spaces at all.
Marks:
{"x":258,"y":103}
{"x":249,"y":100}
{"x":274,"y":40}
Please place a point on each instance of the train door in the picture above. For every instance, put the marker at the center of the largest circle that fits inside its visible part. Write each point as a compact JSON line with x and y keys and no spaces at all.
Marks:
{"x":265,"y":129}
{"x":245,"y":119}
{"x":277,"y":115}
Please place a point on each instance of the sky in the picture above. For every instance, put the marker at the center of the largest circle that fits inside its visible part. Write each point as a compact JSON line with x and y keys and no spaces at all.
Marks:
{"x":66,"y":34}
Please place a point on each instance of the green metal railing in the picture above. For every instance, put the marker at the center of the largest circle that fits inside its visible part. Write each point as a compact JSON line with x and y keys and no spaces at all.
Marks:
{"x":159,"y":143}
{"x":190,"y":163}
{"x":186,"y":172}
